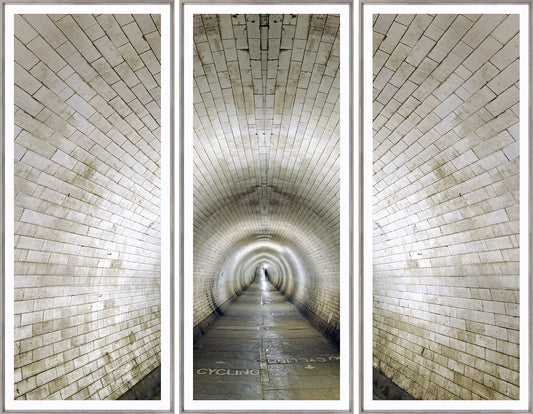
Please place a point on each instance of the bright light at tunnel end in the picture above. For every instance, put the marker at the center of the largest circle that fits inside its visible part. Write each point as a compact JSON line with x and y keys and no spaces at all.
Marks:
{"x":260,"y":253}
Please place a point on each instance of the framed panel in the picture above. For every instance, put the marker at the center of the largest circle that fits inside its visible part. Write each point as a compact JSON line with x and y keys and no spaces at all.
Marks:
{"x":87,"y":207}
{"x":266,"y":192}
{"x":447,"y":197}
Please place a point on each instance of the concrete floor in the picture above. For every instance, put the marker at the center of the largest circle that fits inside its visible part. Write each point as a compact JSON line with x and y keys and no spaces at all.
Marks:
{"x":262,"y":348}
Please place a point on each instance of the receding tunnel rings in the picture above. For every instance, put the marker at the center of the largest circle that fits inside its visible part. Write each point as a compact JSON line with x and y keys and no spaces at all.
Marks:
{"x":286,"y":268}
{"x":278,"y":265}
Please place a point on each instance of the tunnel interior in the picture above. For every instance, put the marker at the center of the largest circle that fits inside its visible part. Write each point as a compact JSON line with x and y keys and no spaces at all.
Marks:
{"x":263,"y":348}
{"x":266,"y":155}
{"x":446,"y":204}
{"x":87,"y":205}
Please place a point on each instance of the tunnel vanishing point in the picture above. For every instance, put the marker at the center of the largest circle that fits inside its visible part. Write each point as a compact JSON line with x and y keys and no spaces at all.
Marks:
{"x":266,"y":134}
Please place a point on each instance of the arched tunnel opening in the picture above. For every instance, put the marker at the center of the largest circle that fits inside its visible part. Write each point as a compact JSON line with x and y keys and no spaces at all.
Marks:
{"x":266,"y":206}
{"x":282,"y":266}
{"x":263,"y":346}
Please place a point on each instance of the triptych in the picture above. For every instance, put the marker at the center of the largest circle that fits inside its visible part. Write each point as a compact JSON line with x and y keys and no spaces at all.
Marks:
{"x":266,"y":207}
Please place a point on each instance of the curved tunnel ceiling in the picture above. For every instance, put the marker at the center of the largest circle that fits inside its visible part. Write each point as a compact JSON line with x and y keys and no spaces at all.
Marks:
{"x":266,"y":153}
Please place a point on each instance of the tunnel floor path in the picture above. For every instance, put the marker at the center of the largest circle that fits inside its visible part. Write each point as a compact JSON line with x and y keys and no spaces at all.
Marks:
{"x":262,"y":348}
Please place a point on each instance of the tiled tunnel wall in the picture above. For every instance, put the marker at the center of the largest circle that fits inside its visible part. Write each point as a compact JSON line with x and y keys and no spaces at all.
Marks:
{"x":87,"y":204}
{"x":266,"y":169}
{"x":446,"y":204}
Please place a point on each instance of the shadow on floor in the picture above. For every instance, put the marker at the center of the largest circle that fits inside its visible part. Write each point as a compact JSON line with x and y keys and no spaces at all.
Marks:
{"x":149,"y":388}
{"x":385,"y":389}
